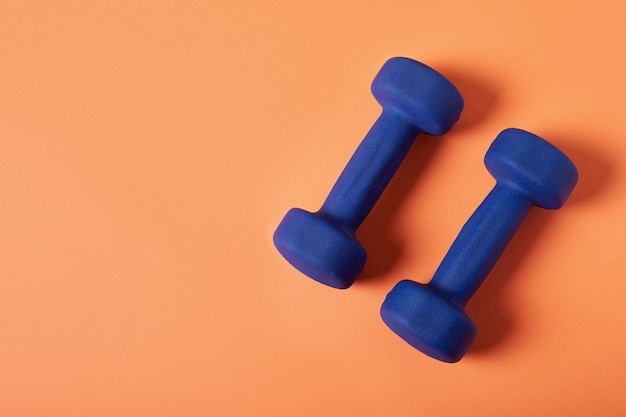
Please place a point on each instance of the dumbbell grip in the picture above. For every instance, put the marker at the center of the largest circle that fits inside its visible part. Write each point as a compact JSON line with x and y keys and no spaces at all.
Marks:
{"x":480,"y":243}
{"x":369,"y":170}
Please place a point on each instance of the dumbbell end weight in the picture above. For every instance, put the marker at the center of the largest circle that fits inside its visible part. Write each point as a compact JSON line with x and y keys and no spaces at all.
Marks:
{"x":428,"y":321}
{"x":419,"y":93}
{"x":320,"y":249}
{"x":533,"y":166}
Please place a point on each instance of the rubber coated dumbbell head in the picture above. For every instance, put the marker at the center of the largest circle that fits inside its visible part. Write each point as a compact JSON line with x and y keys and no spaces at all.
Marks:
{"x":320,"y":249}
{"x":428,"y":100}
{"x":428,"y":321}
{"x":532,"y":165}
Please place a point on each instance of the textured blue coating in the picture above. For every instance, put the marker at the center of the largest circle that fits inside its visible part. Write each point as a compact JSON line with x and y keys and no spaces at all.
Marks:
{"x":415,"y":98}
{"x":431,"y":317}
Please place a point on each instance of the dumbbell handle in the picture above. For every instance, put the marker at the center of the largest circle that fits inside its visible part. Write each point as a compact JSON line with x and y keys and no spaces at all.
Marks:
{"x":480,"y":243}
{"x":370,"y":169}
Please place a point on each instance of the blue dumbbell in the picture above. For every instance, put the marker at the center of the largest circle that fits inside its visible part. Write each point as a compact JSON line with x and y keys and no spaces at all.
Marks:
{"x":431,"y":317}
{"x":415,"y":98}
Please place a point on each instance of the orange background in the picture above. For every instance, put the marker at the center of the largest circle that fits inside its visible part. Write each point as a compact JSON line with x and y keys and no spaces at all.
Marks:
{"x":149,"y":149}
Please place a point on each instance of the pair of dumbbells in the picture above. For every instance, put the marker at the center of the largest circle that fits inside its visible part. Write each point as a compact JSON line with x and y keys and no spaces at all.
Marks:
{"x":323,"y":245}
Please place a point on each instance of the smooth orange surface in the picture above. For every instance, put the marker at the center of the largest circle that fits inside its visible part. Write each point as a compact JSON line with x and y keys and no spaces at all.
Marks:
{"x":149,"y":149}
